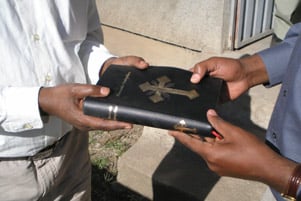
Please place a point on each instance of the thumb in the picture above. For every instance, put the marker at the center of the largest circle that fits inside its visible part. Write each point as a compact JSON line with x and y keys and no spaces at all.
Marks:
{"x":217,"y":123}
{"x":82,"y":91}
{"x":138,"y":62}
{"x":90,"y":90}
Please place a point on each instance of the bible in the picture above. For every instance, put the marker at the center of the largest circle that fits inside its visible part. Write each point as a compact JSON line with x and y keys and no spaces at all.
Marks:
{"x":161,"y":97}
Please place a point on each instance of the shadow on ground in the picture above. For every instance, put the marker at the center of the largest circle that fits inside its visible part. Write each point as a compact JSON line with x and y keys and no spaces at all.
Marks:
{"x":183,"y":175}
{"x":105,"y":188}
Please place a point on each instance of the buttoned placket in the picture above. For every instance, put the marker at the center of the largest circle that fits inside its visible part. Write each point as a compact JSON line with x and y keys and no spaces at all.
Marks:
{"x":284,"y":94}
{"x":38,"y":52}
{"x":30,"y":25}
{"x":46,"y":78}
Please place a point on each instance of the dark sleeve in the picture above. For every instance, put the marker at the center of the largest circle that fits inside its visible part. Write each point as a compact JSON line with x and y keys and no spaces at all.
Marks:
{"x":276,"y":59}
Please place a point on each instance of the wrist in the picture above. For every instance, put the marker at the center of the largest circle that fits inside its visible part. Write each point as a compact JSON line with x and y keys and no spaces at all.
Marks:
{"x":293,"y":184}
{"x":106,"y":64}
{"x":43,"y":101}
{"x":255,"y":70}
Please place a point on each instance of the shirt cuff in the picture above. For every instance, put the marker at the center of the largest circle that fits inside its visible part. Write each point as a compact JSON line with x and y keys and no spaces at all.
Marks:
{"x":21,"y":108}
{"x":96,"y":60}
{"x":276,"y":61}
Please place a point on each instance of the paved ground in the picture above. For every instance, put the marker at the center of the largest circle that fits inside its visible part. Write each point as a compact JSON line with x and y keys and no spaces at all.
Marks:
{"x":161,"y":169}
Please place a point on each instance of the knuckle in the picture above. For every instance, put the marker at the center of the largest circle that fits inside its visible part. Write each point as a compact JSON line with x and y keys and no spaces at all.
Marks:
{"x":214,"y":159}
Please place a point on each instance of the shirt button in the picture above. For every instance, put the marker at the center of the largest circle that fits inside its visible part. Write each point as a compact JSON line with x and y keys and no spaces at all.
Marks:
{"x":274,"y":135}
{"x":48,"y":79}
{"x":27,"y":126}
{"x":36,"y":37}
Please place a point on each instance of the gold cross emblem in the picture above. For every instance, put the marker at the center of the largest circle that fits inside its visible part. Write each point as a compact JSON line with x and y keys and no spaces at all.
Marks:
{"x":160,"y":87}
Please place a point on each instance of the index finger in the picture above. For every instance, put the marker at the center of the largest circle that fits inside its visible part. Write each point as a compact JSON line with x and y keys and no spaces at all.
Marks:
{"x":96,"y":123}
{"x":195,"y":144}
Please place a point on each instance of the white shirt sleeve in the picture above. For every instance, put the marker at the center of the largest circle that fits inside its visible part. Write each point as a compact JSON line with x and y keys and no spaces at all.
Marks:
{"x":19,"y":109}
{"x":93,"y":53}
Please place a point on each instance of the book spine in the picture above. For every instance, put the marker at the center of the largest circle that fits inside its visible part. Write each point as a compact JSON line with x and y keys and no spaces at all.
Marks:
{"x":147,"y":118}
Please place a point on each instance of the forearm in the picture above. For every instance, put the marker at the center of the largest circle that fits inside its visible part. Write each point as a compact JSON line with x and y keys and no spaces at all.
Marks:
{"x":277,"y":58}
{"x":277,"y":174}
{"x":255,"y":70}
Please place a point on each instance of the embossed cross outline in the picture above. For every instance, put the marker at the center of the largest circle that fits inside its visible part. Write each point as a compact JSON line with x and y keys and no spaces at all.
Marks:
{"x":160,"y":88}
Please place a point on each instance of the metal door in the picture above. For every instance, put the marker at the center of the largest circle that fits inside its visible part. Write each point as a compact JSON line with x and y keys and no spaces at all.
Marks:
{"x":252,"y":20}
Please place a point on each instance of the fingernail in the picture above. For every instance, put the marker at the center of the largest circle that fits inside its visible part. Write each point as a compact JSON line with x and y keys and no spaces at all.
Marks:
{"x":195,"y":78}
{"x":212,"y":112}
{"x":143,"y":63}
{"x":104,"y":90}
{"x":128,"y":127}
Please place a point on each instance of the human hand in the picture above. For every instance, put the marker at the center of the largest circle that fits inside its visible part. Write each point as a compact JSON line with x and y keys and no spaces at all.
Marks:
{"x":239,"y":154}
{"x":126,"y":60}
{"x":66,"y":102}
{"x":230,"y":70}
{"x":239,"y":74}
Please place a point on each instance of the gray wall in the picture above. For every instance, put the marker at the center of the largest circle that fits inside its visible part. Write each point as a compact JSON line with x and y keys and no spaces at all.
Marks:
{"x":195,"y":24}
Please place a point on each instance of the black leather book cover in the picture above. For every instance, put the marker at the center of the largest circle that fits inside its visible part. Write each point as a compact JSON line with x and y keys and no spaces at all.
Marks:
{"x":161,"y":97}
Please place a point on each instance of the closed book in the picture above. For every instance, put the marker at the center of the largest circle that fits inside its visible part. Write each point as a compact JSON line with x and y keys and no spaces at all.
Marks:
{"x":161,"y":97}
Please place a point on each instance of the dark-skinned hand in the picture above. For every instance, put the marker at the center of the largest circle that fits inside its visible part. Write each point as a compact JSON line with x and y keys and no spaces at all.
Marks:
{"x":239,"y":74}
{"x":66,"y":101}
{"x":239,"y":154}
